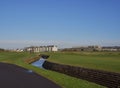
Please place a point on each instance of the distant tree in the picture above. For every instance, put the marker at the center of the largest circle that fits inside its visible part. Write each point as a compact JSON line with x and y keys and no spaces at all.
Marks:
{"x":1,"y":50}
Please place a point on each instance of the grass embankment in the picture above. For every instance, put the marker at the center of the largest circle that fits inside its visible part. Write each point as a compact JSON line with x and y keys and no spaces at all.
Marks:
{"x":108,"y":61}
{"x":61,"y":79}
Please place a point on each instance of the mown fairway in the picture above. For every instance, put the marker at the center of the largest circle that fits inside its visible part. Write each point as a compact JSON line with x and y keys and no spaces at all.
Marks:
{"x":63,"y":80}
{"x":109,"y":61}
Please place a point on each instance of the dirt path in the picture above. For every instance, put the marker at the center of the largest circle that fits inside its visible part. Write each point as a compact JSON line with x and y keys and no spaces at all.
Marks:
{"x":12,"y":76}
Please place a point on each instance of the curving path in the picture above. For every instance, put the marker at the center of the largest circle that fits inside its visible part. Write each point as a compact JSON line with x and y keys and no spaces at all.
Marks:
{"x":12,"y":76}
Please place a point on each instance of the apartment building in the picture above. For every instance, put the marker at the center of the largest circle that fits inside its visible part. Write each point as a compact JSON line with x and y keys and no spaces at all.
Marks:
{"x":50,"y":48}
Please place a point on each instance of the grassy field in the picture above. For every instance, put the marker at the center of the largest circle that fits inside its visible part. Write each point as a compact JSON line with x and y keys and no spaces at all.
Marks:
{"x":63,"y":80}
{"x":108,"y":61}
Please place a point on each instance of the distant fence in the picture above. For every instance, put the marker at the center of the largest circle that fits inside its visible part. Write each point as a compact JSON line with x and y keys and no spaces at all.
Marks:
{"x":108,"y":79}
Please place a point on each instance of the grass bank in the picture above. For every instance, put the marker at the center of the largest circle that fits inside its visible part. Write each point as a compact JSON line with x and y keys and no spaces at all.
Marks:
{"x":108,"y":61}
{"x":63,"y":80}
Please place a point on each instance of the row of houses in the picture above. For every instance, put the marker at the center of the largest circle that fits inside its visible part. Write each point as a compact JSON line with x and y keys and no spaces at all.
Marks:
{"x":93,"y":48}
{"x":50,"y":48}
{"x":111,"y":48}
{"x":83,"y":48}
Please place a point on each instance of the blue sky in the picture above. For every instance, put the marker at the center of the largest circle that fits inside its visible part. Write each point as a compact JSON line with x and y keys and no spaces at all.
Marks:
{"x":66,"y":23}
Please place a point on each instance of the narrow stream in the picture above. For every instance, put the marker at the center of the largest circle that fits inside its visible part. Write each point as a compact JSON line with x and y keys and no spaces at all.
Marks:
{"x":39,"y":63}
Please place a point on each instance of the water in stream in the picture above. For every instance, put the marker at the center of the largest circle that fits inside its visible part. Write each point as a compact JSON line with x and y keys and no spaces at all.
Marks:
{"x":39,"y":63}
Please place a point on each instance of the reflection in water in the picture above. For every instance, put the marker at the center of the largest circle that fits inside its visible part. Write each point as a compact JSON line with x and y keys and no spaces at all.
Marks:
{"x":39,"y":63}
{"x":29,"y":71}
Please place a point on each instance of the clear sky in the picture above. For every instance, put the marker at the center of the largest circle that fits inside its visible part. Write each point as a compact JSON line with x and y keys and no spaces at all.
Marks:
{"x":66,"y":23}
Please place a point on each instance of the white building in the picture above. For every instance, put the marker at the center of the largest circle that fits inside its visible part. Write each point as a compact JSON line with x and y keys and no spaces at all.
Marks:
{"x":50,"y":48}
{"x":53,"y":48}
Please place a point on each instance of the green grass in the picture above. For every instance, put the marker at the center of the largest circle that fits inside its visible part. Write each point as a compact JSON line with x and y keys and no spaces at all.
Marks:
{"x":108,"y":61}
{"x":63,"y":80}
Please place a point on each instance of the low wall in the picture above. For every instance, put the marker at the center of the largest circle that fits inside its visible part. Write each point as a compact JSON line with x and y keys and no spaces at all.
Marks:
{"x":31,"y":60}
{"x":44,"y":56}
{"x":108,"y":79}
